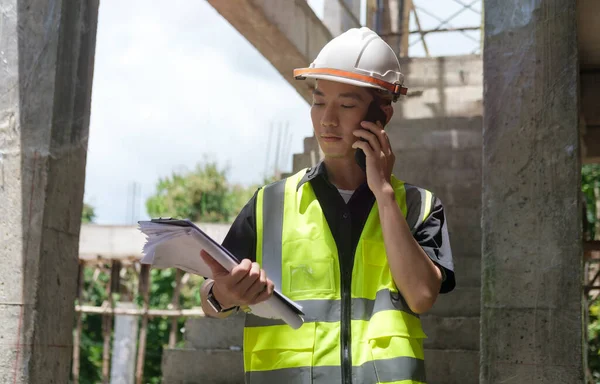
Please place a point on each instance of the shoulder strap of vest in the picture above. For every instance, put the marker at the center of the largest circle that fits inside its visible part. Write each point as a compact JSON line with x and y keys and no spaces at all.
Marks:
{"x":271,"y":204}
{"x":272,"y":215}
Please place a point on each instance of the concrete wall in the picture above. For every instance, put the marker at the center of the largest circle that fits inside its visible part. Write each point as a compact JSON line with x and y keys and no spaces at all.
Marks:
{"x":436,"y":135}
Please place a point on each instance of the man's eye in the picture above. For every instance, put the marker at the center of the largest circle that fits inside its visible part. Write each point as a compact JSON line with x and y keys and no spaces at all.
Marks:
{"x":348,"y":106}
{"x":318,"y":104}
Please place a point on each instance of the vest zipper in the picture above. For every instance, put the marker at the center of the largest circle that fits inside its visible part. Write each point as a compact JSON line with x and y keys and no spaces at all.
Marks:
{"x":346,"y":353}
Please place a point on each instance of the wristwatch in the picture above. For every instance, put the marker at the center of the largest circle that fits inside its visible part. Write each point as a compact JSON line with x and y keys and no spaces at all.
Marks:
{"x":212,"y":301}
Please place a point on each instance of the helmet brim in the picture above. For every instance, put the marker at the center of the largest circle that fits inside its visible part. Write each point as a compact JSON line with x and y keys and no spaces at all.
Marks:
{"x":344,"y":80}
{"x":350,"y":78}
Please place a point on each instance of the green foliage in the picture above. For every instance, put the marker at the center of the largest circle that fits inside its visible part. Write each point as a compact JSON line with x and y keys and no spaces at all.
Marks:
{"x":594,"y":340}
{"x":201,"y":195}
{"x":90,"y":360}
{"x":87,"y":214}
{"x":590,"y":179}
{"x":590,"y":186}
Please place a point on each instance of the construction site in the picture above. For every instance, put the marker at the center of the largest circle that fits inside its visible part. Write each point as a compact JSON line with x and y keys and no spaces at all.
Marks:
{"x":499,"y":132}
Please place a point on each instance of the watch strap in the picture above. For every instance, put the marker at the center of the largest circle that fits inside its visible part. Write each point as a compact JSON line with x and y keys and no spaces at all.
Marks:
{"x":214,"y":303}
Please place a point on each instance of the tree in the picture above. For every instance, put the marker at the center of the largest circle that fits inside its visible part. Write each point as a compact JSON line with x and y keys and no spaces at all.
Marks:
{"x":88,"y":214}
{"x":201,"y":195}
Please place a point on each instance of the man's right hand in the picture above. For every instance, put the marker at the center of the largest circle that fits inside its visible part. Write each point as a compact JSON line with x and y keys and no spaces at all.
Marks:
{"x":246,"y":284}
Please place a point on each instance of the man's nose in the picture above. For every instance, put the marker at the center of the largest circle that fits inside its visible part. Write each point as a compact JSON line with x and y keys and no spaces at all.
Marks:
{"x":330,"y":118}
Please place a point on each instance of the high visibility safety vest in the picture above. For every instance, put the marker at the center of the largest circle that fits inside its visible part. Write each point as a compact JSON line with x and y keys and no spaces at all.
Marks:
{"x":363,"y":333}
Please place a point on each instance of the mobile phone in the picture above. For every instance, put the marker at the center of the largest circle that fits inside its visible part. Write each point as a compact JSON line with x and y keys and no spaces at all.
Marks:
{"x":374,"y":114}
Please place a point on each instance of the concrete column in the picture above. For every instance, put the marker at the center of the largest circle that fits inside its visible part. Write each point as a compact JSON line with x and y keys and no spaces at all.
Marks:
{"x":341,"y":15}
{"x":531,"y":312}
{"x":122,"y":366}
{"x":46,"y":67}
{"x":394,"y":24}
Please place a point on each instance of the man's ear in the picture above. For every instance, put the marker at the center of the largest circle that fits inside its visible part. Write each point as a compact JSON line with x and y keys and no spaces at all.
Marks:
{"x":389,"y":112}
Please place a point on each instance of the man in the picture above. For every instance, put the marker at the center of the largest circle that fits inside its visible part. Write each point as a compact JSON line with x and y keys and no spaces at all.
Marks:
{"x":363,"y":252}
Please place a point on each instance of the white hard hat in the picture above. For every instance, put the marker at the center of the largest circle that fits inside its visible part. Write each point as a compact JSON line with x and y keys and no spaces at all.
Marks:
{"x":358,"y":57}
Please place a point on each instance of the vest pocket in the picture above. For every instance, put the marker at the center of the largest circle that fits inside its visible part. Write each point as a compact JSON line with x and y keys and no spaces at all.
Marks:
{"x":280,"y":348}
{"x":397,"y":355}
{"x":310,"y":277}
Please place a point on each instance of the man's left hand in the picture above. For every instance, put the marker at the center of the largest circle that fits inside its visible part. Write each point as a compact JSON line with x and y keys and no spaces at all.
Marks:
{"x":380,"y":157}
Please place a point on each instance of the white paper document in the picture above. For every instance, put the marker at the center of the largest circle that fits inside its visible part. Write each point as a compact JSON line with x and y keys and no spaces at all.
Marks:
{"x":174,"y":243}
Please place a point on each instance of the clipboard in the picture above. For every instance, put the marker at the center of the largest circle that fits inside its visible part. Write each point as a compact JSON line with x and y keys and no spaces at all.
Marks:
{"x":175,"y":243}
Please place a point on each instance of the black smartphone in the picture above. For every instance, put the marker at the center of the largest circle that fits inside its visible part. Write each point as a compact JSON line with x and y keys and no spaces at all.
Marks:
{"x":374,"y":114}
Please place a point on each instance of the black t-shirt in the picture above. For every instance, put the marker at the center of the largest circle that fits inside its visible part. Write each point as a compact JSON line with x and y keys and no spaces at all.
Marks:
{"x":346,"y":222}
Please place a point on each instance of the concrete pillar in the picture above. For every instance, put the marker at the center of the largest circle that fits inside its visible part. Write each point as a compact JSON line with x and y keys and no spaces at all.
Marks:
{"x":531,"y":312}
{"x":46,"y":67}
{"x":341,"y":15}
{"x":122,"y":365}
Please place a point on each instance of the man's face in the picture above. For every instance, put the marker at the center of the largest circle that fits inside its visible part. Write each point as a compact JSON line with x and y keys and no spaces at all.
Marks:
{"x":337,"y":111}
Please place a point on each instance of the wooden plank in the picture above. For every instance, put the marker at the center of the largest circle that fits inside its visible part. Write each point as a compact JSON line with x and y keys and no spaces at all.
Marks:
{"x":115,"y":276}
{"x":144,"y":288}
{"x":107,"y":326}
{"x":425,"y":47}
{"x":406,"y":9}
{"x":106,"y":332}
{"x":140,"y":312}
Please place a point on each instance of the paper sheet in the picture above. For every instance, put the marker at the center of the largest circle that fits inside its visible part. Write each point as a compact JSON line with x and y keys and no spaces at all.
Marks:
{"x":177,"y":244}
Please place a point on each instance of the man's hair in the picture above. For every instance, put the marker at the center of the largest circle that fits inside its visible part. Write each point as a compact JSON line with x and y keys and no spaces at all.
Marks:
{"x":381,"y":96}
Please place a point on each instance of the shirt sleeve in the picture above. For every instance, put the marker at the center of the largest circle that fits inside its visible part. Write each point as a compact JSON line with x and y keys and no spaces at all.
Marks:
{"x":432,"y":236}
{"x":241,"y":238}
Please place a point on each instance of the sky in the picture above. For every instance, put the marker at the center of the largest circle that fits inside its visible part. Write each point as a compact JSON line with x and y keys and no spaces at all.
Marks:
{"x":175,"y":84}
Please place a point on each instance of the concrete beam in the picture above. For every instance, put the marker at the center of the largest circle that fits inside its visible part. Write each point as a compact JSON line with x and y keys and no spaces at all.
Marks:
{"x":531,"y":312}
{"x":46,"y":66}
{"x":341,"y":15}
{"x":287,"y":33}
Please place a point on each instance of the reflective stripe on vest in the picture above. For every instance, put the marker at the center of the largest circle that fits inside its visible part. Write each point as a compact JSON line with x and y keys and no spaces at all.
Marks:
{"x":296,"y":249}
{"x":386,"y":371}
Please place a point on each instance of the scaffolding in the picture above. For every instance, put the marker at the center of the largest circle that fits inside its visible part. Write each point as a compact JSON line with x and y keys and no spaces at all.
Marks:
{"x":407,"y":25}
{"x":124,"y":278}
